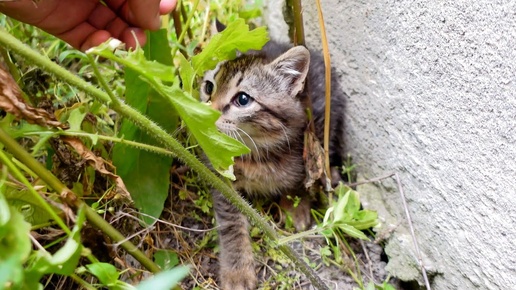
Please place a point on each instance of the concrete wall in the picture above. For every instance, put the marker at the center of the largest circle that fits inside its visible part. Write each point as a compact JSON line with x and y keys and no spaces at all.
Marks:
{"x":432,"y":88}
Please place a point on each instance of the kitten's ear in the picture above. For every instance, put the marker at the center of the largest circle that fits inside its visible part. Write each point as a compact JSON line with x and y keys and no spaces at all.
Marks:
{"x":219,"y":25}
{"x":293,"y":66}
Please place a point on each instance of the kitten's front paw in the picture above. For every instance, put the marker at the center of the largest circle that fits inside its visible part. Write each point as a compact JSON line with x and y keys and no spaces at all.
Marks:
{"x":239,"y":279}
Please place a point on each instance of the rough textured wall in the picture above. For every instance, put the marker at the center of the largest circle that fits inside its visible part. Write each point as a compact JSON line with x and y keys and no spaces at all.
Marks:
{"x":432,"y":88}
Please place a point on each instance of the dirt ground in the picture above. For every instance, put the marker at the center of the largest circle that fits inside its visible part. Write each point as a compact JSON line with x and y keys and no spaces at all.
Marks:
{"x":196,"y":245}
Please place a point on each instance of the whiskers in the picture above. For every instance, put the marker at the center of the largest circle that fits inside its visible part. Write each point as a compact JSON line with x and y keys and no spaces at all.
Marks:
{"x":236,"y":133}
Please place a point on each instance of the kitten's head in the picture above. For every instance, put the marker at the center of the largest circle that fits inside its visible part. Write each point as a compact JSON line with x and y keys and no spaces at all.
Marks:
{"x":259,"y":99}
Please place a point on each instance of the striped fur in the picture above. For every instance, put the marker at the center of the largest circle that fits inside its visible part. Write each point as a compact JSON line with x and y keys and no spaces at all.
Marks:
{"x":272,"y":125}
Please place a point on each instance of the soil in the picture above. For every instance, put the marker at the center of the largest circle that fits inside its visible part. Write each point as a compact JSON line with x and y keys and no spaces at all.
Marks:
{"x":196,"y":244}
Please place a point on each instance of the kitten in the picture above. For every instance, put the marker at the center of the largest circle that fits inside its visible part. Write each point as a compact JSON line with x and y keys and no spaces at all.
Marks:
{"x":261,"y":95}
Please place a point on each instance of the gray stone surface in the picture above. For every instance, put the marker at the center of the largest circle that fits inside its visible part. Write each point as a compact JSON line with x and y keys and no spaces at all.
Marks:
{"x":432,"y":88}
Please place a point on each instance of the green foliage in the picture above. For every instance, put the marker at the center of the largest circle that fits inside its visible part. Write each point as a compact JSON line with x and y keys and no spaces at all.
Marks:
{"x":63,"y":262}
{"x":224,"y":45}
{"x":31,"y":209}
{"x":384,"y":286}
{"x":199,"y":118}
{"x":15,"y":245}
{"x":346,"y":215}
{"x":149,"y":83}
{"x":108,"y":276}
{"x":165,"y":280}
{"x":146,"y":174}
{"x":166,"y":259}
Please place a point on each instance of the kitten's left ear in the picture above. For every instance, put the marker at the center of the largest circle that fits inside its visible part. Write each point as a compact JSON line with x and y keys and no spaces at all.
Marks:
{"x":293,"y":66}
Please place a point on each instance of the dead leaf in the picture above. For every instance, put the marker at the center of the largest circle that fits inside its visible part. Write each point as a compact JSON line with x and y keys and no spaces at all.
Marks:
{"x":99,"y":164}
{"x":12,"y":102}
{"x":313,"y":154}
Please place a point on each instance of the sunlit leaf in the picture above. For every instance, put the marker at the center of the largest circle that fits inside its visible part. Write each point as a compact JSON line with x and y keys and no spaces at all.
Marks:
{"x":224,"y":45}
{"x":199,"y":118}
{"x":351,"y":231}
{"x":15,"y":245}
{"x":165,"y":280}
{"x":105,"y":272}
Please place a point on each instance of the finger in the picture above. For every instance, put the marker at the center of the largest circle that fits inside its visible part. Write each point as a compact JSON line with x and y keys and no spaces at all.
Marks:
{"x":101,"y":17}
{"x":167,"y":6}
{"x":95,"y":39}
{"x":144,"y":14}
{"x":133,"y":37}
{"x":78,"y":35}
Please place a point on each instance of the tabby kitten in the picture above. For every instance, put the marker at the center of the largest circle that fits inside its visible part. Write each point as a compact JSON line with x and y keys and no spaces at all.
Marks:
{"x":262,"y":95}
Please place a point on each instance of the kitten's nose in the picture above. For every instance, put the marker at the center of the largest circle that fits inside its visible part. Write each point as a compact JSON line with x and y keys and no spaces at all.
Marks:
{"x":215,"y":105}
{"x":220,"y":107}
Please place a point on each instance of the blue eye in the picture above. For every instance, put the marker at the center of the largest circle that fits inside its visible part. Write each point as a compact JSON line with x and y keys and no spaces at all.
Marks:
{"x":242,"y":99}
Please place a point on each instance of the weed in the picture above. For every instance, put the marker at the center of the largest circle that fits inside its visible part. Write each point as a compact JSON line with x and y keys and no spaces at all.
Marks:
{"x":90,"y":98}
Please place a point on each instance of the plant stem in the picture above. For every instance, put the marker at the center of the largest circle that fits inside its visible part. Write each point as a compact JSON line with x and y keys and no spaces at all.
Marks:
{"x":186,"y":27}
{"x":157,"y":132}
{"x":300,"y":235}
{"x":116,"y":236}
{"x":327,"y":74}
{"x":299,"y":33}
{"x":81,"y":282}
{"x":71,"y":200}
{"x":18,"y":47}
{"x":16,"y":172}
{"x":151,"y":148}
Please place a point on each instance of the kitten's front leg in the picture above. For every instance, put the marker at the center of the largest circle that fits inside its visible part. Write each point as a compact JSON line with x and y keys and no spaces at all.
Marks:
{"x":237,"y":270}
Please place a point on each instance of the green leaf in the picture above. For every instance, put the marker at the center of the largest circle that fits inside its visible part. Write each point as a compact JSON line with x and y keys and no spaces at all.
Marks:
{"x":15,"y":245}
{"x":5,"y":212}
{"x":351,"y":231}
{"x":387,"y":286}
{"x":32,"y":210}
{"x":106,"y":273}
{"x":187,"y":73}
{"x":108,"y":276}
{"x":346,"y":215}
{"x":76,"y":117}
{"x":339,"y":213}
{"x":141,"y":60}
{"x":223,"y":46}
{"x":353,"y":203}
{"x":364,"y":219}
{"x":200,"y":119}
{"x":146,"y":174}
{"x":165,"y":280}
{"x":63,"y":262}
{"x":166,"y":259}
{"x":370,"y":286}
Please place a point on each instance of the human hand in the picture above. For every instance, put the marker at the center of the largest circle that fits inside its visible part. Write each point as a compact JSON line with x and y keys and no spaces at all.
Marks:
{"x":87,"y":23}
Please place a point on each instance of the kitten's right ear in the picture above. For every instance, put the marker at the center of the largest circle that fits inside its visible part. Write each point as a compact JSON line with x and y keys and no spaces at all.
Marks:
{"x":293,"y":66}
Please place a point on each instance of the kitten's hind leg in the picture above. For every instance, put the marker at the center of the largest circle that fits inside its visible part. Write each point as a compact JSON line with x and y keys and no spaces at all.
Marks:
{"x":236,"y":259}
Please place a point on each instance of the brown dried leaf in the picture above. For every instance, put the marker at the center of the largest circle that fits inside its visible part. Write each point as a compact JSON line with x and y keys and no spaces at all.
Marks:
{"x":99,"y":164}
{"x":12,"y":102}
{"x":313,"y":155}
